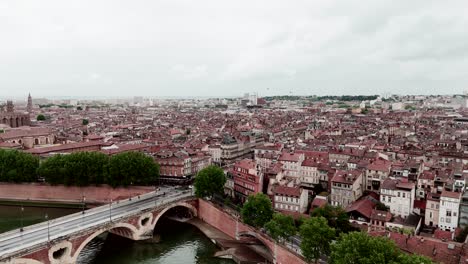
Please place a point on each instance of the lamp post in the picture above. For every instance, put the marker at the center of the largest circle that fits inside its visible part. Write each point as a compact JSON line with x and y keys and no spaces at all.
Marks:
{"x":22,"y":212}
{"x":84,"y":204}
{"x":48,"y":227}
{"x":110,"y":211}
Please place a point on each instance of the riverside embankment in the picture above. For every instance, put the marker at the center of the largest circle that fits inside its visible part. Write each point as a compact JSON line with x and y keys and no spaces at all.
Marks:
{"x":59,"y":195}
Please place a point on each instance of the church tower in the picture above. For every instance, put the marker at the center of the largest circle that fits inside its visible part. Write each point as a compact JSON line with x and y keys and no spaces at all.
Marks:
{"x":10,"y":107}
{"x":30,"y":105}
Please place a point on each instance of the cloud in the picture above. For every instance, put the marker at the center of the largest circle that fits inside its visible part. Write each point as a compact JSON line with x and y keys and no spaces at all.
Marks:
{"x":176,"y":47}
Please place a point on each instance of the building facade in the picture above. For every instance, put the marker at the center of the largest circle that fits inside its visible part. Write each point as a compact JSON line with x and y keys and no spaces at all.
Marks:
{"x":346,"y":187}
{"x":398,"y":196}
{"x":449,"y":210}
{"x":248,"y":179}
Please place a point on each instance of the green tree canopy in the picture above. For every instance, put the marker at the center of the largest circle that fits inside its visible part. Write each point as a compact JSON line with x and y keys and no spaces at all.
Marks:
{"x":209,"y":181}
{"x":358,"y":247}
{"x":257,"y":210}
{"x":80,"y":168}
{"x":16,"y":166}
{"x":336,"y":217}
{"x":411,"y":259}
{"x":131,"y":168}
{"x":281,"y":227}
{"x":85,"y":122}
{"x":316,"y":237}
{"x":40,"y":117}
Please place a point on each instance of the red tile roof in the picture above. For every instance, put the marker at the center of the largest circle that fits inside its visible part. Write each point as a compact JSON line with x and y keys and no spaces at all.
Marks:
{"x":290,"y":157}
{"x":287,"y":191}
{"x":455,"y":195}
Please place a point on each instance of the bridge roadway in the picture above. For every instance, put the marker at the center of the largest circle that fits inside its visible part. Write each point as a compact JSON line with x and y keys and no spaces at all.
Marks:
{"x":17,"y":240}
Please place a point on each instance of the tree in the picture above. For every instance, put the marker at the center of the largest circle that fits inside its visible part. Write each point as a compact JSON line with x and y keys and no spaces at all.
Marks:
{"x":80,"y":168}
{"x":411,"y":259}
{"x":17,"y":166}
{"x":316,"y":237}
{"x":187,"y":131}
{"x":382,"y":207}
{"x":209,"y":181}
{"x":257,"y":210}
{"x":132,"y":168}
{"x":336,"y":217}
{"x":85,"y":122}
{"x":358,"y":247}
{"x":79,"y":108}
{"x":52,"y":169}
{"x":40,"y":117}
{"x":281,"y":227}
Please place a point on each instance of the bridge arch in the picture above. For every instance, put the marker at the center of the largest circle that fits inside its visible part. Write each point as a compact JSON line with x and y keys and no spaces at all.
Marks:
{"x":190,"y":207}
{"x":123,"y":229}
{"x":269,"y":255}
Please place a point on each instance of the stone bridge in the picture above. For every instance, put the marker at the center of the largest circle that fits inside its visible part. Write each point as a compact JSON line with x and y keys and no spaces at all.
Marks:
{"x":135,"y":220}
{"x":65,"y":247}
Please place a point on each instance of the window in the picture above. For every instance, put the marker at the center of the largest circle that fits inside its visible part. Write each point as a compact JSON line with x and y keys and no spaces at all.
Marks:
{"x":448,"y":213}
{"x":448,"y":220}
{"x":454,"y":213}
{"x":432,"y":205}
{"x":389,"y":199}
{"x":403,"y":194}
{"x":441,"y":219}
{"x":398,"y":194}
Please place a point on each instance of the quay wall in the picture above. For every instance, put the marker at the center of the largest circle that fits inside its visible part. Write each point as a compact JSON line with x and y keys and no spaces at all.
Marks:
{"x":59,"y":193}
{"x":233,"y":226}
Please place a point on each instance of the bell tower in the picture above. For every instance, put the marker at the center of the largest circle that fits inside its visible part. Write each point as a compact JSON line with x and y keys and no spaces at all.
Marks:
{"x":30,"y":105}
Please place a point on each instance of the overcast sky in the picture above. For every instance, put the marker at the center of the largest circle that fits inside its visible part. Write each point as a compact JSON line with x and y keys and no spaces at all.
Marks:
{"x":227,"y":48}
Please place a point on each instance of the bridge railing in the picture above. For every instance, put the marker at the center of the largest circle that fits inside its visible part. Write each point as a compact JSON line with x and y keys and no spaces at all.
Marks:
{"x":62,"y":219}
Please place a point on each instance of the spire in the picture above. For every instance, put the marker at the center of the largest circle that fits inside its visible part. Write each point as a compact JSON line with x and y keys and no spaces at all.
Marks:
{"x":30,"y":105}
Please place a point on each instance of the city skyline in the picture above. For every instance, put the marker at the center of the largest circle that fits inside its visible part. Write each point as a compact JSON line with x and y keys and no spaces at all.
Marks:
{"x":217,"y":49}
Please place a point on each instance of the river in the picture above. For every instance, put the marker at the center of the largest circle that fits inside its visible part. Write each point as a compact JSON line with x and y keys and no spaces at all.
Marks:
{"x":179,"y":242}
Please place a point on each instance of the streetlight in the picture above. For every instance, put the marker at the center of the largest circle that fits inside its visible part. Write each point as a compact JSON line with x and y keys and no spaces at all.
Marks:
{"x":84,"y":203}
{"x":48,"y":227}
{"x":110,"y":210}
{"x":22,"y":211}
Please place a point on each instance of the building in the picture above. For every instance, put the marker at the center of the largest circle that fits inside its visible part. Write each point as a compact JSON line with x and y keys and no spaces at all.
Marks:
{"x":232,"y":148}
{"x":449,"y":210}
{"x":378,"y":220}
{"x":290,"y":199}
{"x":29,"y":107}
{"x":346,"y":187}
{"x":432,"y":210}
{"x":28,"y":137}
{"x":12,"y":118}
{"x":309,"y":173}
{"x":398,"y":196}
{"x":248,"y":179}
{"x":464,"y":210}
{"x":291,"y":164}
{"x":425,"y":184}
{"x":377,"y":171}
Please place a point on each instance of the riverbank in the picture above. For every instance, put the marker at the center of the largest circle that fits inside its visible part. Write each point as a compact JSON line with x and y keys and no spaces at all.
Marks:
{"x":67,"y":195}
{"x":233,"y":249}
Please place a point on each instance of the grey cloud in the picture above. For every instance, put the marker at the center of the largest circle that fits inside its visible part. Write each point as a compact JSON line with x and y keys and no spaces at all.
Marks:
{"x":166,"y":48}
